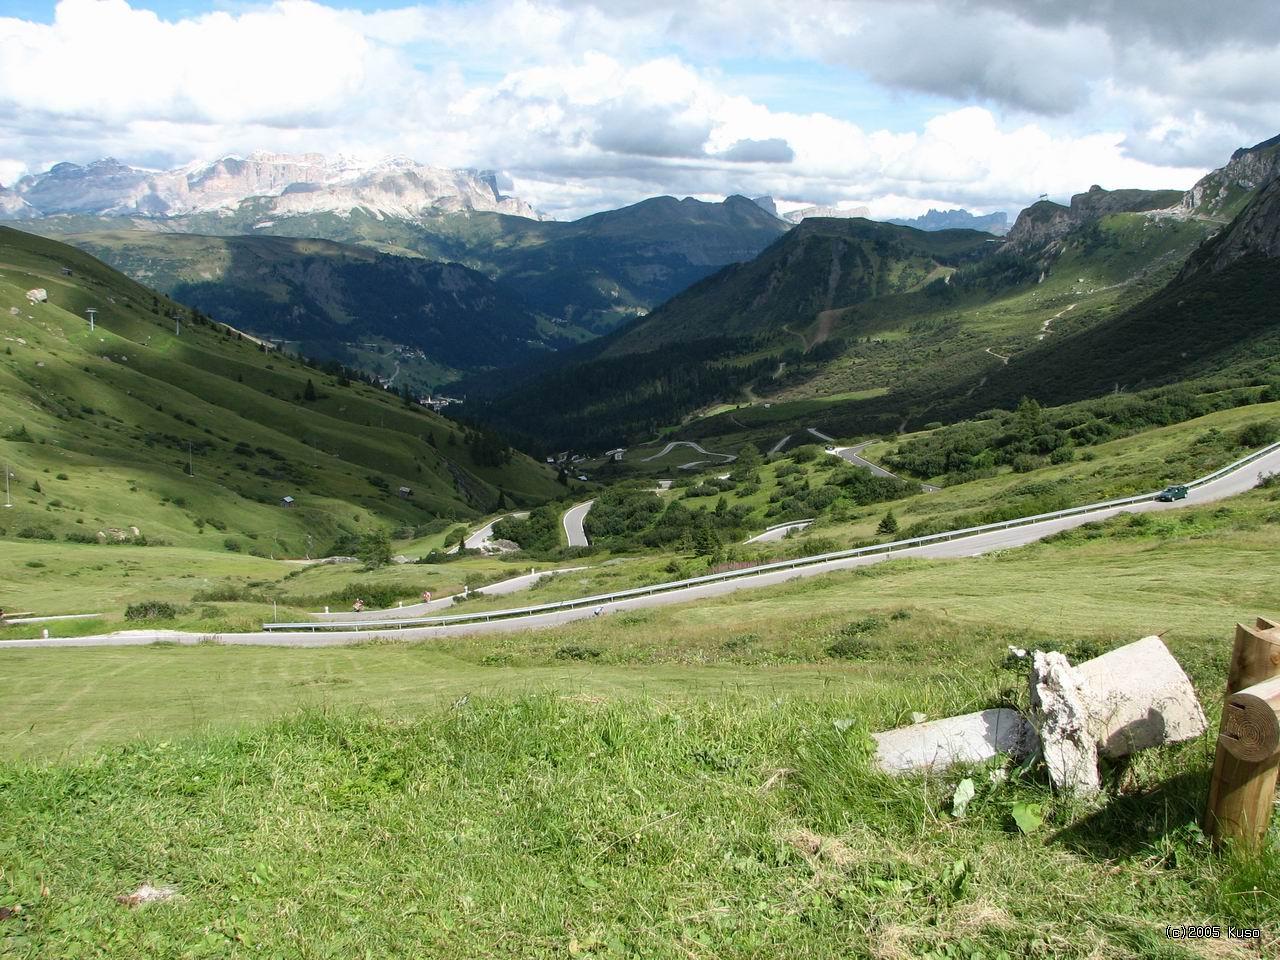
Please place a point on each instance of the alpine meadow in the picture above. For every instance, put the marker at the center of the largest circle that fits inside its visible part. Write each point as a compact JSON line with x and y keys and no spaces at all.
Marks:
{"x":579,"y":479}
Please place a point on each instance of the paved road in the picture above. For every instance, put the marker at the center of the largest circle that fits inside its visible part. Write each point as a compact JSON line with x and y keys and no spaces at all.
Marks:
{"x":514,"y":584}
{"x":777,"y":447}
{"x":778,"y":531}
{"x":482,"y":536}
{"x":853,"y":455}
{"x":820,"y":435}
{"x":1243,"y":479}
{"x":728,"y":457}
{"x":573,"y":518}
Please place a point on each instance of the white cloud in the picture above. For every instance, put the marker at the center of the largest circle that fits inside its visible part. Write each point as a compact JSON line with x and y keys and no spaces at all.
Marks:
{"x":587,"y":105}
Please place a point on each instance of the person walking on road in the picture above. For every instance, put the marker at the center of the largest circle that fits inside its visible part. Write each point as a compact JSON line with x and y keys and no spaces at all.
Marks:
{"x":597,"y":611}
{"x":358,"y":606}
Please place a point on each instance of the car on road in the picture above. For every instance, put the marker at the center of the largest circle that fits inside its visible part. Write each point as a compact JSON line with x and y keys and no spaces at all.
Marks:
{"x":1170,"y":494}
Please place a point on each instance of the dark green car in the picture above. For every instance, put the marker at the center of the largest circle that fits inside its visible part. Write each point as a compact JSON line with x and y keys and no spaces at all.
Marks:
{"x":1170,"y":494}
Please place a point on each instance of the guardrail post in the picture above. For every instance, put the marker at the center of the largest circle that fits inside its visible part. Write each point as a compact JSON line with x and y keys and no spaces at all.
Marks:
{"x":1247,"y":762}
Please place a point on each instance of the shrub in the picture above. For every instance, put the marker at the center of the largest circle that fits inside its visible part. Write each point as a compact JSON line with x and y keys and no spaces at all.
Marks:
{"x":151,"y":610}
{"x":1258,"y":434}
{"x":35,"y":533}
{"x":888,"y":524}
{"x":851,"y":648}
{"x":574,"y":652}
{"x":1024,"y":463}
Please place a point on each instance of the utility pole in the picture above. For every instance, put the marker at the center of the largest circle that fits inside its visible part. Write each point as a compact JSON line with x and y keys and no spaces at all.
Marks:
{"x":92,"y":312}
{"x":8,"y":500}
{"x":191,"y":464}
{"x":177,"y":324}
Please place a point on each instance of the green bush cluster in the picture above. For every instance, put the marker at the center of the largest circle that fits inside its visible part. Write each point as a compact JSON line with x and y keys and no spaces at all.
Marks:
{"x":152,"y":610}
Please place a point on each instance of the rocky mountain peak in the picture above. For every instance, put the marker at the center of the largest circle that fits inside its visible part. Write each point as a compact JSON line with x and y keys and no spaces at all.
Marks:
{"x":281,"y":185}
{"x":1222,"y":192}
{"x":1045,"y":222}
{"x":1255,"y":232}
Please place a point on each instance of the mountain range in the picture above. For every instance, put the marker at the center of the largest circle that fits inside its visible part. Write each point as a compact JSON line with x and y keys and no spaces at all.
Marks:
{"x":958,"y":219}
{"x":861,"y":328}
{"x":282,"y":184}
{"x":571,"y":280}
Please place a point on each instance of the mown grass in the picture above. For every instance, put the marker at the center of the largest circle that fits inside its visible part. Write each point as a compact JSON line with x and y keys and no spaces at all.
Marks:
{"x":550,"y":826}
{"x":675,"y":782}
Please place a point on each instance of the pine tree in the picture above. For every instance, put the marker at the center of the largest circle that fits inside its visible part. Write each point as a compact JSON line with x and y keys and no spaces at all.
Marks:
{"x":705,"y":541}
{"x":309,"y":394}
{"x":748,"y":458}
{"x":888,"y":524}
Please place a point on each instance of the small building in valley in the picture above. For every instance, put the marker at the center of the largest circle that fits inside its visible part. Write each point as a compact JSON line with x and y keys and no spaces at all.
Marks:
{"x":288,"y":502}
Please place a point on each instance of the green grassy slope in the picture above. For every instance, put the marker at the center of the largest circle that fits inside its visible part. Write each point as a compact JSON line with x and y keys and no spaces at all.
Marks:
{"x":104,"y":424}
{"x":692,"y":780}
{"x":821,"y":265}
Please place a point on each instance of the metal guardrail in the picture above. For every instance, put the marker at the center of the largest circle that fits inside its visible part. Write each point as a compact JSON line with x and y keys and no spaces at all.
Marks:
{"x":880,"y":548}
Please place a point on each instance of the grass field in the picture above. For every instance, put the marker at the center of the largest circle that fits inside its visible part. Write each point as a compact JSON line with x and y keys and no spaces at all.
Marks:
{"x":689,"y":781}
{"x":684,"y":781}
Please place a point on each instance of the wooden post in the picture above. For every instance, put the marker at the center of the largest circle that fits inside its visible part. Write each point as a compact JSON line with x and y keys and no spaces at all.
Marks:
{"x":1256,"y":655}
{"x":1247,"y":764}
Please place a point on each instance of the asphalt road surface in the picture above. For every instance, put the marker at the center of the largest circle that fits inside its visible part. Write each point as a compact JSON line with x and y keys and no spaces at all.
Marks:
{"x":778,"y":531}
{"x":853,"y":455}
{"x":727,"y":457}
{"x":485,"y":533}
{"x":573,"y":518}
{"x":1241,"y":480}
{"x":514,"y":584}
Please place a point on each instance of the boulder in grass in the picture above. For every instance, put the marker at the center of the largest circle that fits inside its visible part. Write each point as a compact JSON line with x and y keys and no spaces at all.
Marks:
{"x":1134,"y":698}
{"x":938,"y":744}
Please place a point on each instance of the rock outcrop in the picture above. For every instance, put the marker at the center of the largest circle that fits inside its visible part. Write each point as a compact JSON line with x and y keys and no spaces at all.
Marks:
{"x":1045,"y":222}
{"x":1220,"y":193}
{"x":1254,"y":232}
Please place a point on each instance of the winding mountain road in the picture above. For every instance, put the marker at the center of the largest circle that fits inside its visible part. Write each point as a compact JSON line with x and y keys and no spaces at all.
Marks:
{"x":572,"y":522}
{"x":511,"y":585}
{"x":1240,"y":480}
{"x":482,"y":536}
{"x":778,"y":531}
{"x":854,"y":456}
{"x":728,"y":457}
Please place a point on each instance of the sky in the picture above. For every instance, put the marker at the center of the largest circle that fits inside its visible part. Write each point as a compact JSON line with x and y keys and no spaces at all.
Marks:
{"x":584,"y":105}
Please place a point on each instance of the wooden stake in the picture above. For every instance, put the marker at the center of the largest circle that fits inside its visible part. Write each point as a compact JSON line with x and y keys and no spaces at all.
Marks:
{"x":1247,"y":764}
{"x":1256,"y":655}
